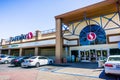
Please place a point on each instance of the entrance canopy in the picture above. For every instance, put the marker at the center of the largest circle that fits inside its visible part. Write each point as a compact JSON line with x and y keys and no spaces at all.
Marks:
{"x":102,"y":8}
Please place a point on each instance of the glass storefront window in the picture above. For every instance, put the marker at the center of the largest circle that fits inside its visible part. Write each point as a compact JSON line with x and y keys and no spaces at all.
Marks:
{"x":115,"y":51}
{"x":91,"y":35}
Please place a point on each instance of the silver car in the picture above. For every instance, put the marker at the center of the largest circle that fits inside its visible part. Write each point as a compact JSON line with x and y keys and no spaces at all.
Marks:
{"x":6,"y":59}
{"x":36,"y":61}
{"x":112,"y":66}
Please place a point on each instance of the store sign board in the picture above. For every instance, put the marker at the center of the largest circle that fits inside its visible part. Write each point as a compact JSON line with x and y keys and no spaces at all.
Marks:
{"x":5,"y":46}
{"x":22,"y":36}
{"x":91,"y":36}
{"x":14,"y":45}
{"x":114,"y":38}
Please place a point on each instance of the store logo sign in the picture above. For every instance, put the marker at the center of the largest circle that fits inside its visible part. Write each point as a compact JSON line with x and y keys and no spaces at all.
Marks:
{"x":5,"y":46}
{"x":91,"y":36}
{"x":22,"y":36}
{"x":14,"y":45}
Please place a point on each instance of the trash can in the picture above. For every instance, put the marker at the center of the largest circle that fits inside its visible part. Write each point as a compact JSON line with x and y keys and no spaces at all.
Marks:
{"x":64,"y":60}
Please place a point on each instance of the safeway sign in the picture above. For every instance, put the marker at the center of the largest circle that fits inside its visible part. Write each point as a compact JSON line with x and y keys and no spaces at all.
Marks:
{"x":91,"y":36}
{"x":22,"y":36}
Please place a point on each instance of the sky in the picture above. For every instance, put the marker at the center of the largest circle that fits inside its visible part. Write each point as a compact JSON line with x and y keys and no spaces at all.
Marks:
{"x":23,"y":16}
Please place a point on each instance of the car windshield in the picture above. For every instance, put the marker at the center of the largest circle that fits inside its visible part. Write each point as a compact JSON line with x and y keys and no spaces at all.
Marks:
{"x":114,"y":59}
{"x":33,"y":57}
{"x":18,"y":57}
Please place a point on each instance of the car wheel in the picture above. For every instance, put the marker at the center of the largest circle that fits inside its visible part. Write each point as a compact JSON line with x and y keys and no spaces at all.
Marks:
{"x":37,"y":64}
{"x":6,"y":62}
{"x":107,"y":74}
{"x":50,"y":62}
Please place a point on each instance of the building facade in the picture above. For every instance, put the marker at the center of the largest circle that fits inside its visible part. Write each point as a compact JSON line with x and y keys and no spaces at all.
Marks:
{"x":37,"y":43}
{"x":97,"y":29}
{"x":85,"y":34}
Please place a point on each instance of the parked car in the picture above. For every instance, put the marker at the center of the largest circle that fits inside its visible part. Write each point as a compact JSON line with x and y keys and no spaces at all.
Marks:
{"x":112,"y":66}
{"x":36,"y":61}
{"x":17,"y":61}
{"x":6,"y":58}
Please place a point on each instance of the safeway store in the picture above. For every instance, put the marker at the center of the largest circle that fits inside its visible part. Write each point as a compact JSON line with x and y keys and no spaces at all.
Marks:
{"x":96,"y":29}
{"x":85,"y":34}
{"x":32,"y":43}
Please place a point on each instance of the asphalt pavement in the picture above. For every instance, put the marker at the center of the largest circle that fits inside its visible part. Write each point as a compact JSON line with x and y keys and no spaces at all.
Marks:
{"x":66,"y":71}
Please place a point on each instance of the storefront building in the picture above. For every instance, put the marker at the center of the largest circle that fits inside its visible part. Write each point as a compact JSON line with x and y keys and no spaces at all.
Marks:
{"x":30,"y":44}
{"x":85,"y":35}
{"x":94,"y":30}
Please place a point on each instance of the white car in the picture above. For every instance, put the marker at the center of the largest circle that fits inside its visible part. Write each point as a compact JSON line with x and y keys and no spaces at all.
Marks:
{"x":36,"y":61}
{"x":6,"y":59}
{"x":112,"y":66}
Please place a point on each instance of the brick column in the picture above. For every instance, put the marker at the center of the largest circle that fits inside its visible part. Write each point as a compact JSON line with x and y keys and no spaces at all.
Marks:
{"x":36,"y":51}
{"x":20,"y":52}
{"x":38,"y":34}
{"x":0,"y":51}
{"x":59,"y":42}
{"x":9,"y":51}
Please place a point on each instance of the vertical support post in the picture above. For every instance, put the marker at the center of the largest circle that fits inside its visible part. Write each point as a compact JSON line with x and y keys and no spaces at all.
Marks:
{"x":36,"y":51}
{"x":20,"y":52}
{"x":118,"y":9}
{"x":0,"y":51}
{"x":38,"y":34}
{"x":9,"y":51}
{"x":59,"y":41}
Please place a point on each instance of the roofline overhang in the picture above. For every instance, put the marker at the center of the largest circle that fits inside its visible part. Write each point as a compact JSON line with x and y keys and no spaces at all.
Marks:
{"x":95,"y":10}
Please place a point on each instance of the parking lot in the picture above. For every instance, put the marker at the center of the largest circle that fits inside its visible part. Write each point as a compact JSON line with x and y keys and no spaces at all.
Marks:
{"x":68,"y":71}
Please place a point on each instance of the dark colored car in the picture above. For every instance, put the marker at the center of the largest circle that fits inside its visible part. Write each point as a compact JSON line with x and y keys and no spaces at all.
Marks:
{"x":17,"y":61}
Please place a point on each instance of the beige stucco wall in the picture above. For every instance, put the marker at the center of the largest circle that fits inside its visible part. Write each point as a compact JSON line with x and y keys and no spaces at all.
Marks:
{"x":99,"y":47}
{"x":108,"y":32}
{"x":104,"y":21}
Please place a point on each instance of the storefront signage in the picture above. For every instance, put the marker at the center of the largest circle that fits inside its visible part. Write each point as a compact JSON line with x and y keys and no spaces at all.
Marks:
{"x":22,"y":36}
{"x":5,"y":46}
{"x":91,"y":36}
{"x":14,"y":45}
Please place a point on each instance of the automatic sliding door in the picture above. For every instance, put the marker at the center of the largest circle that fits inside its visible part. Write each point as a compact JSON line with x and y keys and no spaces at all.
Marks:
{"x":104,"y":53}
{"x":87,"y":55}
{"x":98,"y":54}
{"x":93,"y":55}
{"x":82,"y":55}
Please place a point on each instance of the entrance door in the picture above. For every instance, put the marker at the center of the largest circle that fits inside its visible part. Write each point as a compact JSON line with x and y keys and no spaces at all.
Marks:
{"x":74,"y":55}
{"x":82,"y":55}
{"x":105,"y":53}
{"x":85,"y":56}
{"x":99,"y":54}
{"x":93,"y":55}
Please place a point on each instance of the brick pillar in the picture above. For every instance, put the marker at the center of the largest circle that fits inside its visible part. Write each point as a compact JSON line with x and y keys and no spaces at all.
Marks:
{"x":36,"y":51}
{"x":20,"y":52}
{"x":59,"y":42}
{"x":38,"y":34}
{"x":9,"y":51}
